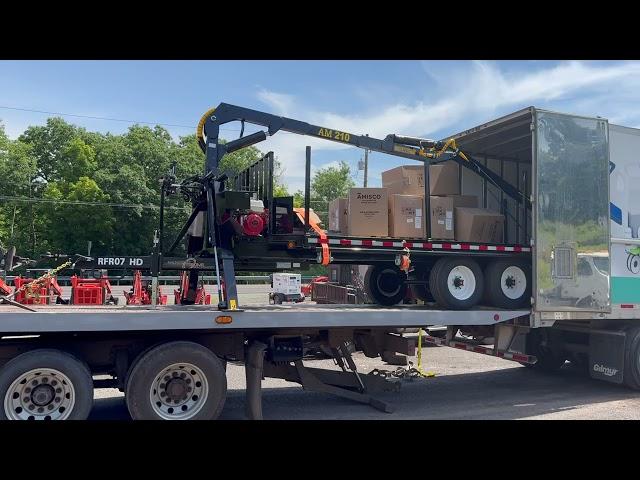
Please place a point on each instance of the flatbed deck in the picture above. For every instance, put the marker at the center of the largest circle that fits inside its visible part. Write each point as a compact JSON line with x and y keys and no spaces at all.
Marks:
{"x":58,"y":318}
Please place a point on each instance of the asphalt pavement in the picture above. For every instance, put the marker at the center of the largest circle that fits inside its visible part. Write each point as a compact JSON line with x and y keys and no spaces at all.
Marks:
{"x":466,"y":386}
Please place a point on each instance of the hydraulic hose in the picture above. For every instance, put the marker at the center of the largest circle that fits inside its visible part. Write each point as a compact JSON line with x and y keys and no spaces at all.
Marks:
{"x":200,"y":130}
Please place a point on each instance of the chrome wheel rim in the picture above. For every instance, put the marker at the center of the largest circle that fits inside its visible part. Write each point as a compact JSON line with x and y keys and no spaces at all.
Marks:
{"x":179,"y":391}
{"x":40,"y":394}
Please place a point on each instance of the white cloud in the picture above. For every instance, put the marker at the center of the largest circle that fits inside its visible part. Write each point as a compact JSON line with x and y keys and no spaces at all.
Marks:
{"x":464,"y":97}
{"x":281,"y":103}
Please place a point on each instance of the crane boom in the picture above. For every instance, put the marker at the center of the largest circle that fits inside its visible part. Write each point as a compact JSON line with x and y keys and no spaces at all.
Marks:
{"x":423,"y":150}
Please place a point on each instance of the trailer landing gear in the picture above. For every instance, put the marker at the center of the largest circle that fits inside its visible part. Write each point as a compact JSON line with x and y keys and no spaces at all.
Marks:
{"x":350,"y":385}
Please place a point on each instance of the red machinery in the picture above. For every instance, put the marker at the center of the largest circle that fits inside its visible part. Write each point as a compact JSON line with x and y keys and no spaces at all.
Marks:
{"x":251,"y":222}
{"x":201,"y":298}
{"x":140,"y":293}
{"x":306,"y":289}
{"x":43,"y":294}
{"x":4,"y":288}
{"x":91,"y":291}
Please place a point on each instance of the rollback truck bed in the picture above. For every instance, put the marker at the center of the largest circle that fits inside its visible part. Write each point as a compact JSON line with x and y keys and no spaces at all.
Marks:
{"x":170,"y":361}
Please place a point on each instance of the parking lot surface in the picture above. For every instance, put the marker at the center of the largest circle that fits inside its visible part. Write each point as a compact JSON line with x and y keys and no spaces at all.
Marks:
{"x":466,"y":386}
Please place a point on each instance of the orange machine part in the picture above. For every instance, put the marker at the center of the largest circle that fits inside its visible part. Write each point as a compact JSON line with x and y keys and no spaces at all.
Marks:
{"x":314,"y":222}
{"x":4,"y":288}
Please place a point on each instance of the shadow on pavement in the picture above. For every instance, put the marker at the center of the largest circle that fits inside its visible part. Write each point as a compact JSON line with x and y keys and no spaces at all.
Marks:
{"x":512,"y":393}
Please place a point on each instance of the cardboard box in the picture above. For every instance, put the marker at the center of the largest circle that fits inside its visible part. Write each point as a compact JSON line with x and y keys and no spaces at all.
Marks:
{"x":409,"y":179}
{"x":406,"y":216}
{"x":478,"y":225}
{"x":338,"y":215}
{"x":404,"y":180}
{"x":368,"y":212}
{"x":443,"y":213}
{"x":444,"y":179}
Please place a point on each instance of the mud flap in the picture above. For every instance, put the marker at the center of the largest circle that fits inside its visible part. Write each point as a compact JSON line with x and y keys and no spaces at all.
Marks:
{"x":606,"y":356}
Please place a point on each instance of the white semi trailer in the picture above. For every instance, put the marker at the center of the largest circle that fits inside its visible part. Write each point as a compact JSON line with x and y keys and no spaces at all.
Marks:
{"x":582,"y":233}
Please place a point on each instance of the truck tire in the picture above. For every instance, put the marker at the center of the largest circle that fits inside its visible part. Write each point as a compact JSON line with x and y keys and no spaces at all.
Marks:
{"x":632,"y":358}
{"x":507,"y":284}
{"x":456,"y":283}
{"x":422,"y":292}
{"x":385,"y":284}
{"x":176,"y":381}
{"x":549,"y":359}
{"x":45,"y":384}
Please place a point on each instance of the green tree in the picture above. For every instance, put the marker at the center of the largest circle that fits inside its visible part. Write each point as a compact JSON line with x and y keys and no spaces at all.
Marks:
{"x":69,"y":226}
{"x":328,"y":184}
{"x":49,"y":145}
{"x":18,"y":224}
{"x":332,"y":182}
{"x":77,"y":159}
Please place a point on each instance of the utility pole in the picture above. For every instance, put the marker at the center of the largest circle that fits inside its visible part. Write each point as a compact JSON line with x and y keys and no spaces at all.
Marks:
{"x":366,"y":165}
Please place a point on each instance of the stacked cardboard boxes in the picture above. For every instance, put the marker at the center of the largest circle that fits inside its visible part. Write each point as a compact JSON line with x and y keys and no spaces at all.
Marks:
{"x":397,"y":209}
{"x":368,"y":212}
{"x":478,"y":225}
{"x":444,"y":179}
{"x":406,"y":189}
{"x":406,"y":217}
{"x":338,"y":215}
{"x":404,"y":180}
{"x":443,"y":212}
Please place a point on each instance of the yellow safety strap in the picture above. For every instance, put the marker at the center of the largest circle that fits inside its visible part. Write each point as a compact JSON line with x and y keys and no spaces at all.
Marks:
{"x":419,"y":366}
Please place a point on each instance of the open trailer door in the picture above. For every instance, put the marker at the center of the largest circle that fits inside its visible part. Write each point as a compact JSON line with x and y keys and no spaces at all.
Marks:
{"x":571,"y":213}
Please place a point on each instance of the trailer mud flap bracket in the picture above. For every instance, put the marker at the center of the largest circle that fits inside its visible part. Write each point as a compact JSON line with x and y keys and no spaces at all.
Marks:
{"x":606,"y":356}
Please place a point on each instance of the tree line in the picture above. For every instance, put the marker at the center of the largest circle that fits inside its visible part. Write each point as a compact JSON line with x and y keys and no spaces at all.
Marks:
{"x":62,"y":186}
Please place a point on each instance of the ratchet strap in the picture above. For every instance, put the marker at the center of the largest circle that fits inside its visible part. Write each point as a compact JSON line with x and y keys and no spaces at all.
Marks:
{"x":407,"y":373}
{"x":419,"y":366}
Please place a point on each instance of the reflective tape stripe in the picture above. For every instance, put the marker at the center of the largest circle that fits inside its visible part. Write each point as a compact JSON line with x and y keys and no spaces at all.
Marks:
{"x":517,"y":357}
{"x":420,"y":245}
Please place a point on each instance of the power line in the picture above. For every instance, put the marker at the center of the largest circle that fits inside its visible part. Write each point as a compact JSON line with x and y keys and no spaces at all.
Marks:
{"x":80,"y":202}
{"x":192,"y":127}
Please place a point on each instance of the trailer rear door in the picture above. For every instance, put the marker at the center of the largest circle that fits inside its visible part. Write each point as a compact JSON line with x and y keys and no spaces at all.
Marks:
{"x":571,"y":188}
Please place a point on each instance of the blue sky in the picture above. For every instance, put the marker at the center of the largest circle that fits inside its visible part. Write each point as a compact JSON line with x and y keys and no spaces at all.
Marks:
{"x":420,"y":98}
